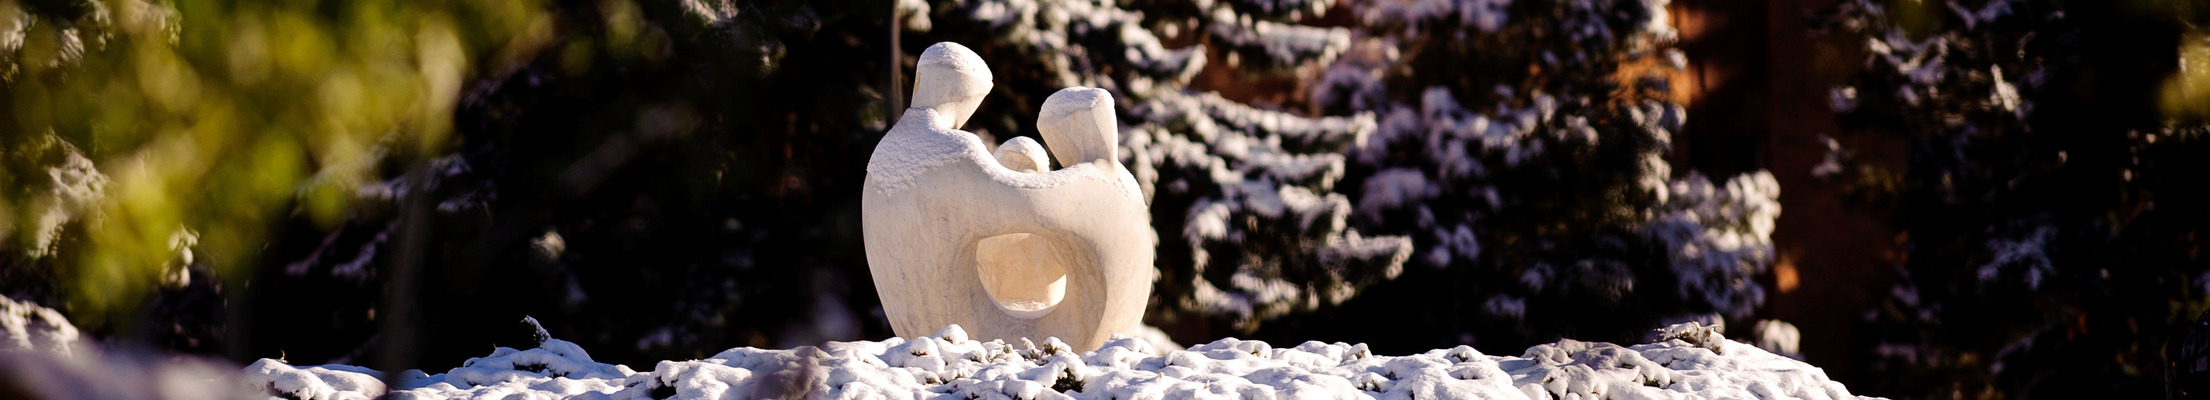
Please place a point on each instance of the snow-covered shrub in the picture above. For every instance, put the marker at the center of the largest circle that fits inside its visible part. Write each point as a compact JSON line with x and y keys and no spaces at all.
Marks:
{"x":2046,"y":196}
{"x":1520,"y":145}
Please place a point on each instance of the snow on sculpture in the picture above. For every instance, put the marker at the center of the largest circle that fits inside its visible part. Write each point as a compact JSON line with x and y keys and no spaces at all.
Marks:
{"x":1001,"y":243}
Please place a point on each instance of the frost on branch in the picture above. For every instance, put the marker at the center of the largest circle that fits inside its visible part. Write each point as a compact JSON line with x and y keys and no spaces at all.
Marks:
{"x":1719,"y":238}
{"x":1274,"y":45}
{"x":1260,"y":210}
{"x":54,"y":186}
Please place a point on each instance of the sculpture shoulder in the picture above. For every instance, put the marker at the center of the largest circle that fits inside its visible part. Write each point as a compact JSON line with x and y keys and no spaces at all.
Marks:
{"x":920,"y":142}
{"x":917,"y":143}
{"x":1107,"y":172}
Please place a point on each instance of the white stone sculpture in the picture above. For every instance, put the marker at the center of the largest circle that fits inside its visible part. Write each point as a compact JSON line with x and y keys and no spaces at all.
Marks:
{"x":1002,"y":244}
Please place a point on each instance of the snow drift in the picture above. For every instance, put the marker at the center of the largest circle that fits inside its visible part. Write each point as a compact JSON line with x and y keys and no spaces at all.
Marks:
{"x":1690,"y":361}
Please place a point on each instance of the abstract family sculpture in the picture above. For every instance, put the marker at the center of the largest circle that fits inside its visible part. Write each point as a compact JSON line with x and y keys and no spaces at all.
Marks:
{"x":1002,"y":244}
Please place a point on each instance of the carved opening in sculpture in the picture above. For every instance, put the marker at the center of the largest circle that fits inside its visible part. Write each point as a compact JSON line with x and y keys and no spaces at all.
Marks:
{"x":1024,"y":273}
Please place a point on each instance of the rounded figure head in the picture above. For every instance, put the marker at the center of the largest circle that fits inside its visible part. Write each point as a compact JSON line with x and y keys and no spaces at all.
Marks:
{"x":952,"y":80}
{"x":1023,"y":154}
{"x":1079,"y":125}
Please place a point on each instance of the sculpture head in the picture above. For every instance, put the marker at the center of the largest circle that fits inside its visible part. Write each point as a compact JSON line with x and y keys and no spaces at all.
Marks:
{"x":951,"y":80}
{"x":1079,"y":124}
{"x":1024,"y":155}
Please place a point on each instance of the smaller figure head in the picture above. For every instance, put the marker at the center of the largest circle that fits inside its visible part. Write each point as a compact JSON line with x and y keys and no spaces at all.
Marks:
{"x":952,"y":80}
{"x":1079,"y":125}
{"x":1024,"y":155}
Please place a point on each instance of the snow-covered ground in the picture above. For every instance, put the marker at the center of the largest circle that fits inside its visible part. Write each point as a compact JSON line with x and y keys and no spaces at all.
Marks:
{"x":1690,"y":362}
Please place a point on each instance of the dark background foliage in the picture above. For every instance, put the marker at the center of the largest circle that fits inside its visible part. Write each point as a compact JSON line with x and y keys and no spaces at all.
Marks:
{"x":2015,"y":184}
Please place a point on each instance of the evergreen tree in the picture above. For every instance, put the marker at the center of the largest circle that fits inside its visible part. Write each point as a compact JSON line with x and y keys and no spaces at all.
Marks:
{"x":2056,"y":150}
{"x":1521,"y":146}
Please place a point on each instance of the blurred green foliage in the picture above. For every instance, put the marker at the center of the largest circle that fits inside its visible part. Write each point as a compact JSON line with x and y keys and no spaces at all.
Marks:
{"x":212,"y":122}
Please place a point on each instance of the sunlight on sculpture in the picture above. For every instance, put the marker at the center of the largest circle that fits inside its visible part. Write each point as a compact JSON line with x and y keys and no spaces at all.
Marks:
{"x":1002,"y":244}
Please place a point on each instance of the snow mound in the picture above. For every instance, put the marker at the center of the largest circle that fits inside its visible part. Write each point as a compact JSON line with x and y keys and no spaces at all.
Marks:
{"x":1694,"y":363}
{"x":331,"y":382}
{"x":24,"y":326}
{"x":555,"y":369}
{"x":42,"y":357}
